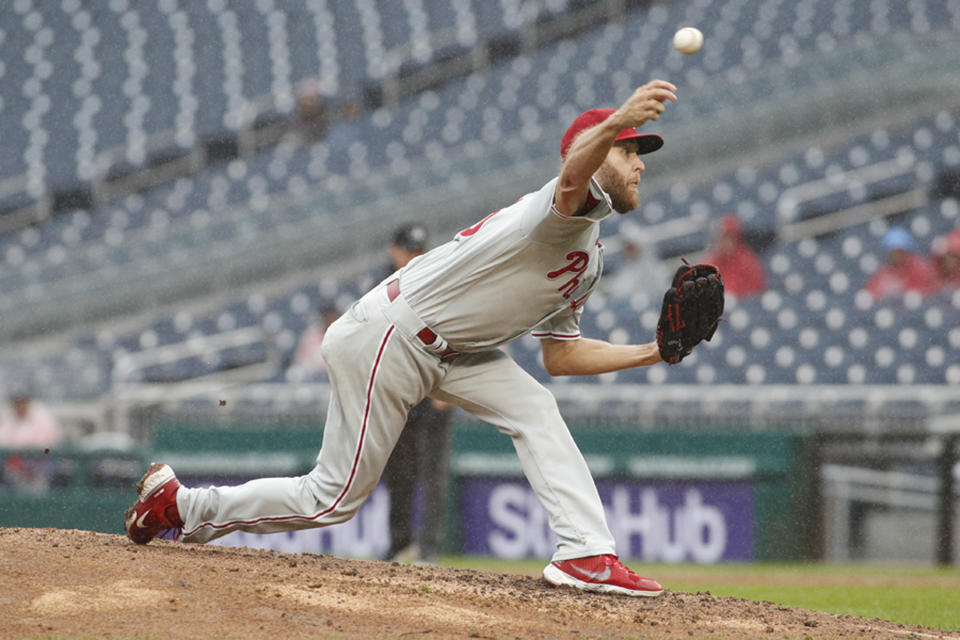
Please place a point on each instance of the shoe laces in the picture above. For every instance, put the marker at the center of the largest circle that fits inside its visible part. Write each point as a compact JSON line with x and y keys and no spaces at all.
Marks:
{"x":614,"y":561}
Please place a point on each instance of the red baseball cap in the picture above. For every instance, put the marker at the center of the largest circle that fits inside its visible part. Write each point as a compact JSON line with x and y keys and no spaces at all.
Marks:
{"x":649,"y":142}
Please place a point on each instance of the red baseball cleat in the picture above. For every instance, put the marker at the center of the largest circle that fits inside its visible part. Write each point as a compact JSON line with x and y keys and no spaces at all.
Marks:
{"x":155,"y":510}
{"x":604,"y":574}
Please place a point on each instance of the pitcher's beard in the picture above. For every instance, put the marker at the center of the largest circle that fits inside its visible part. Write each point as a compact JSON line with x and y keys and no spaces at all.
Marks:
{"x":623,"y":195}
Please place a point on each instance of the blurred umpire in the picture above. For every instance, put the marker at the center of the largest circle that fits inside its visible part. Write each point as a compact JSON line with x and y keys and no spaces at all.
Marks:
{"x":422,"y":452}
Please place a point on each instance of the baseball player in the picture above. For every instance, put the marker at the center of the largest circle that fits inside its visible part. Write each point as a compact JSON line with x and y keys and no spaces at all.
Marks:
{"x":432,"y":329}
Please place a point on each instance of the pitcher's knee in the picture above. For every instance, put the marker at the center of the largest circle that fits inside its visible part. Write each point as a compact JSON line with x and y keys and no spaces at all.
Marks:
{"x":334,"y":502}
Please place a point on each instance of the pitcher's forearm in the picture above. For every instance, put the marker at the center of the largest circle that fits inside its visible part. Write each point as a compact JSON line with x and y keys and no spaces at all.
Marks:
{"x":587,"y":154}
{"x":587,"y":357}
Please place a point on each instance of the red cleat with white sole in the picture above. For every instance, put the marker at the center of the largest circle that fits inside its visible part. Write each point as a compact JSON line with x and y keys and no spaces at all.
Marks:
{"x":155,"y":511}
{"x":603,"y":574}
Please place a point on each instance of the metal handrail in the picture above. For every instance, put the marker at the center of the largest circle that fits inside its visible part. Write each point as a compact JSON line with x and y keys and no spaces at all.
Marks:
{"x":129,"y":363}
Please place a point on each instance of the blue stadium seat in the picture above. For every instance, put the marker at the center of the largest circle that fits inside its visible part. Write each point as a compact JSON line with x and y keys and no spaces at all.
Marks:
{"x":242,"y":51}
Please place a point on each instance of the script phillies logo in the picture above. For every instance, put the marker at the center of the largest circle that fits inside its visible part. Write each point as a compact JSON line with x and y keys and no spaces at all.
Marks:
{"x":577,"y":263}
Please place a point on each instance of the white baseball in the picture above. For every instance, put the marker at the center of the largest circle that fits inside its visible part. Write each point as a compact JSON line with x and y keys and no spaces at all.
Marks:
{"x":688,"y":40}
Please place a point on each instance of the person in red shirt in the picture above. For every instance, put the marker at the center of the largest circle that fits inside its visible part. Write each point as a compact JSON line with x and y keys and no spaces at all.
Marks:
{"x":743,"y":273}
{"x":903,"y":270}
{"x":946,"y":261}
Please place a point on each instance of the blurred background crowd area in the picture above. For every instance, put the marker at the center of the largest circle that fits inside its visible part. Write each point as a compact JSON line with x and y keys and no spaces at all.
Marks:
{"x":190,"y":191}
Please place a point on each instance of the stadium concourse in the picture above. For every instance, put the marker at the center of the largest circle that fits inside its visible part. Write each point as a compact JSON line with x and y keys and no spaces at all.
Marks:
{"x":168,"y":229}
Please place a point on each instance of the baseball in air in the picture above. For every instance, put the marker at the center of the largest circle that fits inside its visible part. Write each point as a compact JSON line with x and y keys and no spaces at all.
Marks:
{"x":688,"y":40}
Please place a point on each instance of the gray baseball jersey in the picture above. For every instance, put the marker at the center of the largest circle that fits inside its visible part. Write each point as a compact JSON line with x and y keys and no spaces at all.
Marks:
{"x":431,"y":329}
{"x":523,"y":267}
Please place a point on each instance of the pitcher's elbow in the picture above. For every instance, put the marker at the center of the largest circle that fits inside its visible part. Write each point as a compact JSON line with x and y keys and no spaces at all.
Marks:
{"x":556,"y":369}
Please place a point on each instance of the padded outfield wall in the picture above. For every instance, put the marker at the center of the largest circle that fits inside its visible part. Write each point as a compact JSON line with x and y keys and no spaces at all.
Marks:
{"x":670,"y":495}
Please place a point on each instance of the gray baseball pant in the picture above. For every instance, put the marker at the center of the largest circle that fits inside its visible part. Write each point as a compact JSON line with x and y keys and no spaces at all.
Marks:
{"x":378,"y":370}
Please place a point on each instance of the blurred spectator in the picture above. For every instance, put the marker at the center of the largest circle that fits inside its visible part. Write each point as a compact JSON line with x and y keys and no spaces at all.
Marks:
{"x":640,"y":271}
{"x":903,"y":270}
{"x":313,"y":116}
{"x":27,"y":424}
{"x":946,"y":261}
{"x":422,"y":452}
{"x":743,"y":273}
{"x":307,"y":360}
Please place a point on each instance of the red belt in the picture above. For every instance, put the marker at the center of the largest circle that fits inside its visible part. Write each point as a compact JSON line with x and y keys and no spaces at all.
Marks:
{"x":425,"y":335}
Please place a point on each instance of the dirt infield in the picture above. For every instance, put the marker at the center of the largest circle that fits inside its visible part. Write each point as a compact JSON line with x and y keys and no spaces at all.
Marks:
{"x":79,"y":584}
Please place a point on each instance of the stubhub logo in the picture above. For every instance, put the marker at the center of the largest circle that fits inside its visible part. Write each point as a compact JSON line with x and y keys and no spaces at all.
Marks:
{"x":689,"y":522}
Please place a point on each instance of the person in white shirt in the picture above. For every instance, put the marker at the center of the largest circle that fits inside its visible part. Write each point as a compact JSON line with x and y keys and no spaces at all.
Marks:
{"x":27,"y":424}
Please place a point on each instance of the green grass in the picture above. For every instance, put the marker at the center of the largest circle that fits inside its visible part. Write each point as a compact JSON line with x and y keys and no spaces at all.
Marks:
{"x":927,"y":606}
{"x":925,"y":596}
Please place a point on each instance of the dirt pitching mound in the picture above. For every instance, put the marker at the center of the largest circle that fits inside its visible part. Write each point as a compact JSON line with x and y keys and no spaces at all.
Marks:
{"x":80,"y":584}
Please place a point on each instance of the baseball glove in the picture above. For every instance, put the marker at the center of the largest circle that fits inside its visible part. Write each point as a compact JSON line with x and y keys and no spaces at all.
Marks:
{"x":691,"y":311}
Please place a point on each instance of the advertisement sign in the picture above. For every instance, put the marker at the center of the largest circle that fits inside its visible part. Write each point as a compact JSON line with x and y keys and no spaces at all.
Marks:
{"x":694,"y":521}
{"x":702,"y":522}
